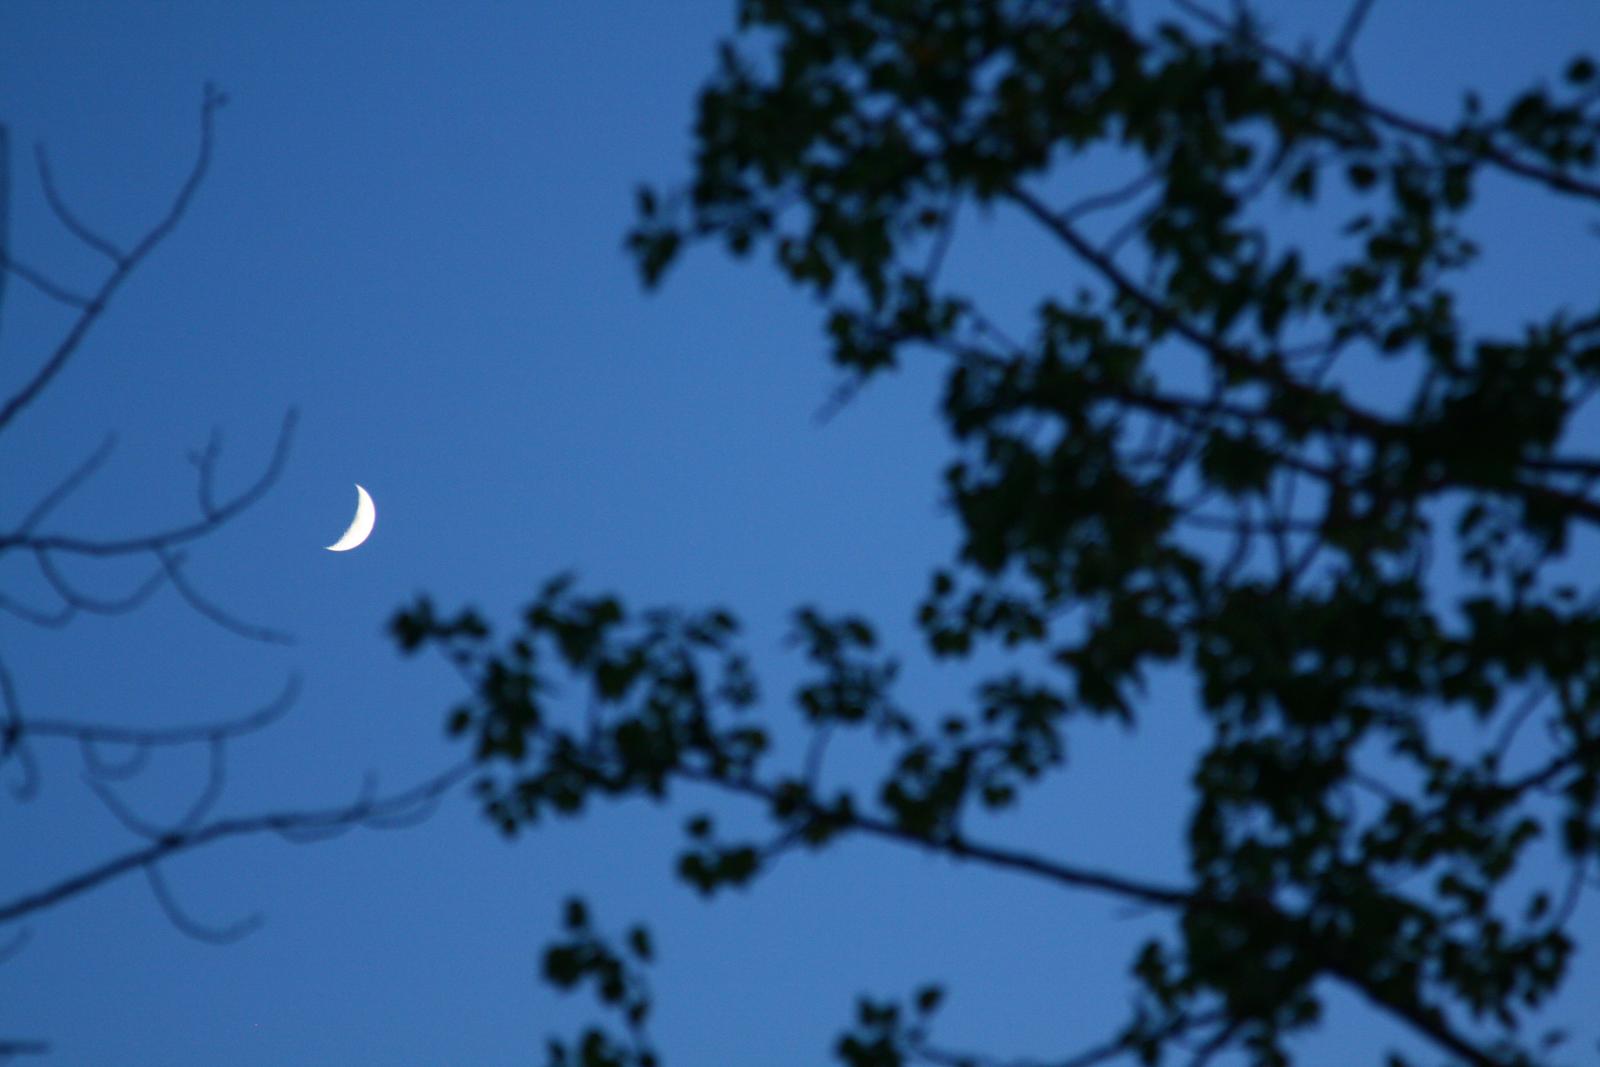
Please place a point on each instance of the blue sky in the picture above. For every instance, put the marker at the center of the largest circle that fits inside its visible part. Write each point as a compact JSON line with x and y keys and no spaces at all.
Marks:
{"x":411,"y":233}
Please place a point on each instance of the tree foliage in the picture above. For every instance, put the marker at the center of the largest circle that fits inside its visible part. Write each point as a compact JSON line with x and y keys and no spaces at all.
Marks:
{"x":1304,"y":476}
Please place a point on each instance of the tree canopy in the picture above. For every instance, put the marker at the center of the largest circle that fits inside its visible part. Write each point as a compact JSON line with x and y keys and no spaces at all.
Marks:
{"x":1307,"y":478}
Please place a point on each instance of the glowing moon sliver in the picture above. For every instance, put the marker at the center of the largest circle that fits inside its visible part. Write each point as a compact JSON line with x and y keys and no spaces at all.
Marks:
{"x":361,"y":526}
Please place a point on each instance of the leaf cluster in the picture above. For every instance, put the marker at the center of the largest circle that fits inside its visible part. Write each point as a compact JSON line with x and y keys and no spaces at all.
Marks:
{"x":1198,"y":458}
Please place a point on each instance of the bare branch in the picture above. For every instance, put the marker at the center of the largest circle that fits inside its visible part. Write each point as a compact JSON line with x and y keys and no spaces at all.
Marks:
{"x":1347,"y":34}
{"x":275,"y":822}
{"x":1509,"y":732}
{"x":168,"y":539}
{"x":68,"y":219}
{"x":97,"y":766}
{"x":51,"y":619}
{"x":125,"y":266}
{"x":123,"y":814}
{"x":68,"y":485}
{"x":206,"y":463}
{"x":11,"y":1048}
{"x":215,"y":735}
{"x":76,"y":600}
{"x":42,"y":282}
{"x":16,"y":944}
{"x":172,"y":562}
{"x":212,"y":935}
{"x":1114,"y":198}
{"x":13,"y":740}
{"x":174,"y":735}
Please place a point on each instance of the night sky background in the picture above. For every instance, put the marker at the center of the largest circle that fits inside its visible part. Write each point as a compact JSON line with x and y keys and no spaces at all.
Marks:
{"x":412,"y":233}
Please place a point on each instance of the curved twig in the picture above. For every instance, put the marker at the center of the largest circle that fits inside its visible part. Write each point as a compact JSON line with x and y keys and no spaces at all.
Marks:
{"x":173,"y":564}
{"x":76,"y":600}
{"x":171,"y":735}
{"x":75,"y":478}
{"x":42,"y":282}
{"x":187,"y":924}
{"x":168,"y":539}
{"x":16,"y":944}
{"x":68,"y":219}
{"x":125,"y":266}
{"x":13,"y":739}
{"x":275,"y":822}
{"x":98,"y":766}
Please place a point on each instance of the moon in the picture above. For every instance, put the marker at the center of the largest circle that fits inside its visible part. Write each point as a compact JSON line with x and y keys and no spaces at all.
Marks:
{"x":360,"y":526}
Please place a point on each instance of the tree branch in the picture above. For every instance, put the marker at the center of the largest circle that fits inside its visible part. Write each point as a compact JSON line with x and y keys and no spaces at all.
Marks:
{"x":361,"y":813}
{"x":125,"y":266}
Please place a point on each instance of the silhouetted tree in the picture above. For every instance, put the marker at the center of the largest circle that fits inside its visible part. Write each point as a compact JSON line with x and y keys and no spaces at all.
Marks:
{"x":115,"y":751}
{"x":1188,"y":459}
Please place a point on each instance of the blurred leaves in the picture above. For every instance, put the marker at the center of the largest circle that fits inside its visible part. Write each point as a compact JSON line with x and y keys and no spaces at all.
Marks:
{"x":1270,"y":526}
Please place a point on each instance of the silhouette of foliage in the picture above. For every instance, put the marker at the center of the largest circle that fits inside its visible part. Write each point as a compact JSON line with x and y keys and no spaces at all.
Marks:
{"x":1199,"y":456}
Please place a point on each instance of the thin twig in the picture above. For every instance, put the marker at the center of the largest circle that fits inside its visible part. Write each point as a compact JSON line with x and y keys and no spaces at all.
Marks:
{"x":13,"y":739}
{"x":17,"y":943}
{"x":206,"y":462}
{"x":1347,"y":34}
{"x":68,"y":485}
{"x":10,"y":1048}
{"x":80,"y":601}
{"x":211,"y":935}
{"x":275,"y":822}
{"x":172,"y":735}
{"x":168,"y":539}
{"x":1114,"y":198}
{"x":59,"y":205}
{"x":53,"y":620}
{"x":172,"y":563}
{"x":97,"y":303}
{"x":44,"y":283}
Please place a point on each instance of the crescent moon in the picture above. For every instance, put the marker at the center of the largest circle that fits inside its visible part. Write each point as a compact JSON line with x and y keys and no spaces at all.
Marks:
{"x":361,"y":526}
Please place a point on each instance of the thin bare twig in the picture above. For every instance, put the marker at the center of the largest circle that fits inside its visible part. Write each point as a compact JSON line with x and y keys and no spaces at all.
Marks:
{"x":10,"y":1048}
{"x":68,"y":485}
{"x":43,"y":282}
{"x":206,"y":463}
{"x":1347,"y":34}
{"x":58,"y":205}
{"x":211,"y":935}
{"x":77,"y":600}
{"x":275,"y":822}
{"x":125,"y":266}
{"x":13,"y":739}
{"x":167,"y":539}
{"x":53,"y":620}
{"x":16,"y":944}
{"x":173,"y":735}
{"x":1120,"y":1045}
{"x":1113,"y":198}
{"x":173,"y":564}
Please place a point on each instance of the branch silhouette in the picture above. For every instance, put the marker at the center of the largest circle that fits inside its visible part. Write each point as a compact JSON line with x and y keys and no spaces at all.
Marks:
{"x":113,"y":753}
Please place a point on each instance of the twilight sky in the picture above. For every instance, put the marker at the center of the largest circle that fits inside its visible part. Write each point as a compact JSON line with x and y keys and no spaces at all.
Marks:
{"x":411,"y":232}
